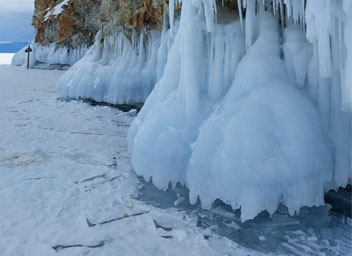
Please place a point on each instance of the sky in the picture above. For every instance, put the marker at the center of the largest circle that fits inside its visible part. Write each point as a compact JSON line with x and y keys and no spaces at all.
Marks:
{"x":15,"y":20}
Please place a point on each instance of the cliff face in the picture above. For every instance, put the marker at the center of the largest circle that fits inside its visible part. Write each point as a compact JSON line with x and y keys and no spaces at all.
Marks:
{"x":129,"y":14}
{"x":71,"y":23}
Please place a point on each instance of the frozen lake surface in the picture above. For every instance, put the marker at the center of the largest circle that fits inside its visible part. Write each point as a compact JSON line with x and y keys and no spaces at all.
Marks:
{"x":67,"y":187}
{"x":5,"y":58}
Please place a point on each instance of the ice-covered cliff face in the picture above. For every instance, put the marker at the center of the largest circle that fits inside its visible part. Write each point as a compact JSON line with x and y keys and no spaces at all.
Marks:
{"x":252,"y":100}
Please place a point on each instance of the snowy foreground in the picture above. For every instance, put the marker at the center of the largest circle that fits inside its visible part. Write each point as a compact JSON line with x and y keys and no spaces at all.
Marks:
{"x":67,"y":187}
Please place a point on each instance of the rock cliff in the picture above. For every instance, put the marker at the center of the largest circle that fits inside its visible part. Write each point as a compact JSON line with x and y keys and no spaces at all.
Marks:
{"x":67,"y":23}
{"x":71,"y":23}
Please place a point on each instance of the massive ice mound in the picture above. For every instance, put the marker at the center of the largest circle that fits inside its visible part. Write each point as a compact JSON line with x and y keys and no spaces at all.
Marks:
{"x":264,"y":144}
{"x":244,"y":118}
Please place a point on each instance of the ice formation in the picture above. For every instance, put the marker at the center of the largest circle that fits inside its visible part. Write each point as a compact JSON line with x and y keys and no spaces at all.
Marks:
{"x":51,"y":55}
{"x":118,"y":70}
{"x":253,"y":109}
{"x":183,"y":96}
{"x":264,"y":144}
{"x":241,"y":117}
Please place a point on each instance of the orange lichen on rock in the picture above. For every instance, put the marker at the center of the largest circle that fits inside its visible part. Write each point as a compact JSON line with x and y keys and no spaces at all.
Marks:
{"x":128,"y":14}
{"x":66,"y":27}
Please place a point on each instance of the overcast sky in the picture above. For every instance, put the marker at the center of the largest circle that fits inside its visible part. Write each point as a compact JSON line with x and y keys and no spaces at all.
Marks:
{"x":15,"y":20}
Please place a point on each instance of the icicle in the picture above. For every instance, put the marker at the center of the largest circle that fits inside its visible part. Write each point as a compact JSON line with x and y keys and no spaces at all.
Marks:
{"x":240,"y":11}
{"x":347,"y":85}
{"x":318,"y":31}
{"x":165,"y":23}
{"x":288,"y":9}
{"x":210,"y":13}
{"x":282,"y":13}
{"x":171,"y":12}
{"x":274,"y":6}
{"x":302,"y":15}
{"x":250,"y":22}
{"x":141,"y":52}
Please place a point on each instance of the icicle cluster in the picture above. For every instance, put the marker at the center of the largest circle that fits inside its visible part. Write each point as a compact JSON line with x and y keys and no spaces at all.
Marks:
{"x":45,"y":56}
{"x":117,"y":69}
{"x":246,"y":118}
